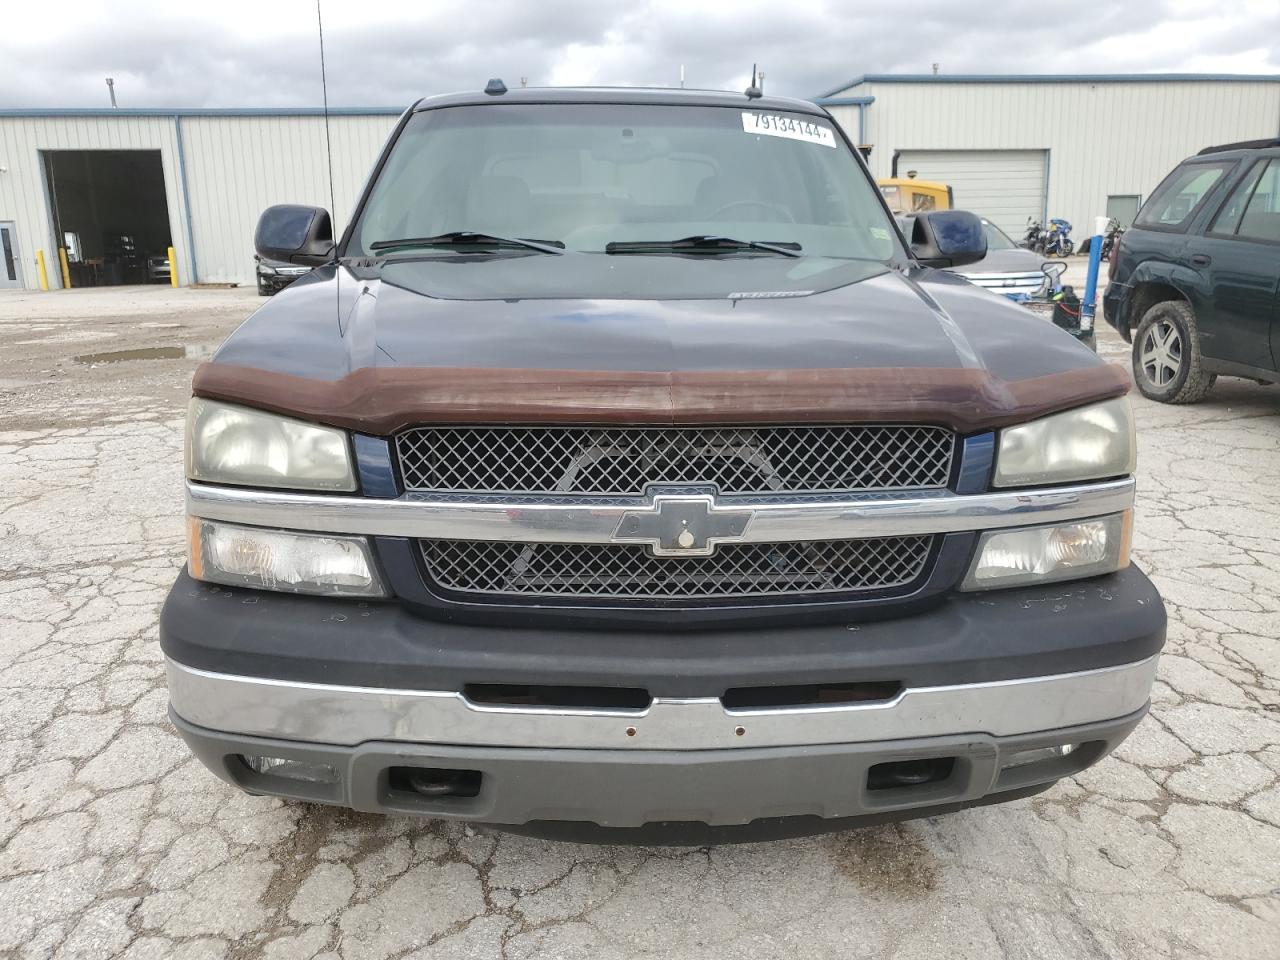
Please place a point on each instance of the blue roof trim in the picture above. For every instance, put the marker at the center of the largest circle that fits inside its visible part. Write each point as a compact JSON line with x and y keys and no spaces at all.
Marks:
{"x":844,"y":101}
{"x":1052,"y":78}
{"x":199,"y":111}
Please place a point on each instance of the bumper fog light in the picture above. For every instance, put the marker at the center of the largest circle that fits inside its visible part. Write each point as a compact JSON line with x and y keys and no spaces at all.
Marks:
{"x":280,"y":560}
{"x":1070,"y":551}
{"x":1024,"y":757}
{"x":291,"y":769}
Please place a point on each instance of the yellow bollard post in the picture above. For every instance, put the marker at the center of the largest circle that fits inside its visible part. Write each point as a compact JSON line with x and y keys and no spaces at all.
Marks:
{"x":41,"y":271}
{"x":66,"y":271}
{"x":173,"y":268}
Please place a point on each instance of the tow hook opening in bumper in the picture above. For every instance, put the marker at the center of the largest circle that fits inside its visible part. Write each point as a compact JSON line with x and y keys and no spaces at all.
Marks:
{"x":435,"y":783}
{"x":904,"y":774}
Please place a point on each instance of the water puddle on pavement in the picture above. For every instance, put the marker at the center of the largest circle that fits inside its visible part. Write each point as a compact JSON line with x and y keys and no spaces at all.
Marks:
{"x":145,"y":353}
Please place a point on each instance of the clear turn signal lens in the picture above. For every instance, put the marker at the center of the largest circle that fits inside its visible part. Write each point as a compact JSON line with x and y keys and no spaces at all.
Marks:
{"x":1069,"y":551}
{"x":281,"y":560}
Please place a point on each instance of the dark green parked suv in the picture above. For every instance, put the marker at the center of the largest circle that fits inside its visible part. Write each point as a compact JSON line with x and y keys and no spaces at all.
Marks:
{"x":1195,"y":284}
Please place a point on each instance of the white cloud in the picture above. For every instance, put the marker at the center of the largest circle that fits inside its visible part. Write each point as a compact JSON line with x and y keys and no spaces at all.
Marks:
{"x":247,"y":52}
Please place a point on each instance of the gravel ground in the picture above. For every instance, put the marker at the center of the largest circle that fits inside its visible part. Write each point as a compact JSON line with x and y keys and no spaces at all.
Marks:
{"x":113,"y":841}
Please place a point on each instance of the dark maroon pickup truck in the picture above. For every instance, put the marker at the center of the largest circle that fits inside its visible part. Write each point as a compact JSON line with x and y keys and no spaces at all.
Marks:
{"x":622,"y":473}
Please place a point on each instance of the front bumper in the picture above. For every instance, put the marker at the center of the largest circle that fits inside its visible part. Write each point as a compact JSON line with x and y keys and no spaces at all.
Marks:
{"x":693,"y":796}
{"x":365,"y":688}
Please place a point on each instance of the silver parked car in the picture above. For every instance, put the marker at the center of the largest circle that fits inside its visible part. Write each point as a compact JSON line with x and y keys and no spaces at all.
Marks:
{"x":1007,"y":268}
{"x":158,"y":268}
{"x":274,"y":275}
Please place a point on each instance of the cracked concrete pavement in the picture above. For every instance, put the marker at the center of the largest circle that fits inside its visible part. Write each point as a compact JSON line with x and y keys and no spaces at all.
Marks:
{"x":115,"y":842}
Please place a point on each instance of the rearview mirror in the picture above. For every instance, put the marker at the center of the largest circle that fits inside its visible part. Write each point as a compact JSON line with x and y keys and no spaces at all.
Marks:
{"x":948,"y":238}
{"x":292,"y":233}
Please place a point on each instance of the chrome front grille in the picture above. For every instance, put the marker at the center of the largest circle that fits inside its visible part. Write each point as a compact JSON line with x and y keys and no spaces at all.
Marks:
{"x":1007,"y":283}
{"x":628,"y":572}
{"x":623,"y":461}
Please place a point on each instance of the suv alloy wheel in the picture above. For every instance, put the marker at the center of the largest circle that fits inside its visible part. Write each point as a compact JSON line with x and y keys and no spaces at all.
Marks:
{"x":1166,"y":355}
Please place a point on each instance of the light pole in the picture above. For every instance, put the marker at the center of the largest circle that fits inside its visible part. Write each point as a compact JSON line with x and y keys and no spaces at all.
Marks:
{"x":111,"y":88}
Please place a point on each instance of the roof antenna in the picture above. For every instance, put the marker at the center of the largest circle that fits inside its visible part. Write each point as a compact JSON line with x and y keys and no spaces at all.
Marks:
{"x":753,"y":92}
{"x":328,"y":157}
{"x":324,"y":86}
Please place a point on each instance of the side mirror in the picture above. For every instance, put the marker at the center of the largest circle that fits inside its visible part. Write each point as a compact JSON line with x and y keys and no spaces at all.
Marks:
{"x":948,"y":238}
{"x":291,"y":233}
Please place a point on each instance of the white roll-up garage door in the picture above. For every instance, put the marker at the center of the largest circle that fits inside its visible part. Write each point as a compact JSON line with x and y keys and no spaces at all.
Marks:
{"x":1005,"y":186}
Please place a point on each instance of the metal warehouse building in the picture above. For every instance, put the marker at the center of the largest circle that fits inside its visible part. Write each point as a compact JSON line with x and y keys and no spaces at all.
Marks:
{"x":128,"y":183}
{"x":114,"y":186}
{"x":1076,"y":147}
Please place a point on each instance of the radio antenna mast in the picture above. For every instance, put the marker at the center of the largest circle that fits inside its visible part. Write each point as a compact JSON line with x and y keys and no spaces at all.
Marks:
{"x":324,"y":87}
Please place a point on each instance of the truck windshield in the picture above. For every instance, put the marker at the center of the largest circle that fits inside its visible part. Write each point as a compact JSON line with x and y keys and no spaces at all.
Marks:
{"x":639,"y":177}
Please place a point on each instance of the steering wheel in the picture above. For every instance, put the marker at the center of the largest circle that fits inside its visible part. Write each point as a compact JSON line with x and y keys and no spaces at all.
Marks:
{"x":763,"y":204}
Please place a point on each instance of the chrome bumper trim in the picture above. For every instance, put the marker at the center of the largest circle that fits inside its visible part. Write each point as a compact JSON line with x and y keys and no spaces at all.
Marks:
{"x":541,"y":522}
{"x":340,"y":715}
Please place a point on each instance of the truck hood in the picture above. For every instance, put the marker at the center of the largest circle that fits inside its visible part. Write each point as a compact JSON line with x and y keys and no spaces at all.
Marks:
{"x":648,"y":339}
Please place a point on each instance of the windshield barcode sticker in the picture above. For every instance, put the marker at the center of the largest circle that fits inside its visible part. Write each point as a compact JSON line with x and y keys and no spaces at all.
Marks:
{"x":782,"y":125}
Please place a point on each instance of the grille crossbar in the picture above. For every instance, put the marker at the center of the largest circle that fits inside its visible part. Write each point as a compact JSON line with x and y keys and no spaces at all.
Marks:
{"x":624,"y":461}
{"x":631,"y":572}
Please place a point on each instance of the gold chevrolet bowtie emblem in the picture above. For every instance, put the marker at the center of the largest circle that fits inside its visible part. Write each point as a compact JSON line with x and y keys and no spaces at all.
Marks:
{"x":678,"y":525}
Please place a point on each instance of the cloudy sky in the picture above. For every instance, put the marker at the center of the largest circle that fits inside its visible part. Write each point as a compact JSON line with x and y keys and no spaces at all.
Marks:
{"x":388,"y":53}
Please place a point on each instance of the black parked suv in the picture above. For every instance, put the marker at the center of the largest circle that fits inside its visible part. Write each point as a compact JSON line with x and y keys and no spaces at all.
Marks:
{"x":1194,"y":282}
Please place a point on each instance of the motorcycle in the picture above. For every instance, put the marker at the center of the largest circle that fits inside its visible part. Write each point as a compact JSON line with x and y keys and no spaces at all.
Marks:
{"x":1057,"y":239}
{"x":1112,"y":237}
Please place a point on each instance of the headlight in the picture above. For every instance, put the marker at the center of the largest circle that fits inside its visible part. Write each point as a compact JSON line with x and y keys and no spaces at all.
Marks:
{"x":1084,"y":444}
{"x":229,"y":444}
{"x":280,"y":560}
{"x":1068,"y":551}
{"x":269,"y":271}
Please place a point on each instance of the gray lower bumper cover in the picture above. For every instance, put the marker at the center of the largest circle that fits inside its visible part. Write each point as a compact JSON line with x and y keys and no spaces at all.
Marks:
{"x":635,"y":788}
{"x":688,"y":760}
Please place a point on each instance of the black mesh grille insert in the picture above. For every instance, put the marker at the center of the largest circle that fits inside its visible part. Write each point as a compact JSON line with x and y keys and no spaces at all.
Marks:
{"x":625,"y":460}
{"x":625,"y":571}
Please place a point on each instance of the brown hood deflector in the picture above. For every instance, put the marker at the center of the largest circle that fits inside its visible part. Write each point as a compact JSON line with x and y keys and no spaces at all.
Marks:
{"x":381,"y":401}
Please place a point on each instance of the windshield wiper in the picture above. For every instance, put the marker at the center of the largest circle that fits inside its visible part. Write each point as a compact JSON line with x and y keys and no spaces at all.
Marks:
{"x":461,"y":238}
{"x":701,"y":241}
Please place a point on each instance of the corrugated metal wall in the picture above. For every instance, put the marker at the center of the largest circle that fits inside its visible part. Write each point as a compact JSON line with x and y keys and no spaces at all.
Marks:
{"x":23,"y":195}
{"x":236,"y":166}
{"x":1103,"y":138}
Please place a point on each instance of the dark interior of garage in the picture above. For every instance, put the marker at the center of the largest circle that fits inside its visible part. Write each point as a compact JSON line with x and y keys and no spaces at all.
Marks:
{"x":110,"y":214}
